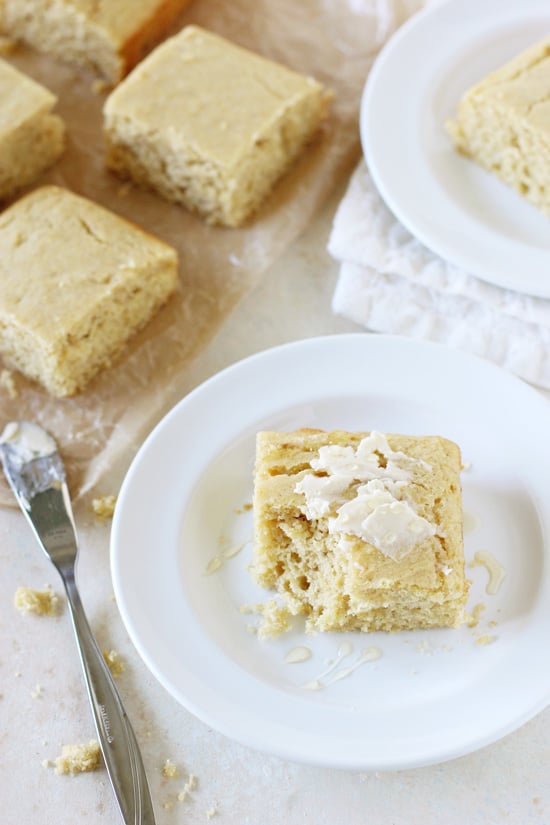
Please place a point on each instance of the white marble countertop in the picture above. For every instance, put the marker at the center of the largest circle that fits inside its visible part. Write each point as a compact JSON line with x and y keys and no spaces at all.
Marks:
{"x":504,"y":783}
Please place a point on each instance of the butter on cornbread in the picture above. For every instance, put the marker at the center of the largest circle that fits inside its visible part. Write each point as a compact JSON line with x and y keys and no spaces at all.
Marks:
{"x":360,"y":531}
{"x":76,"y":282}
{"x":503,"y":123}
{"x":109,"y":36}
{"x":31,"y":136}
{"x":210,"y":125}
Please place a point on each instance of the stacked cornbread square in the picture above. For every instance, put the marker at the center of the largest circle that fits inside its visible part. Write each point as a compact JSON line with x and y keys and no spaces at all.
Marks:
{"x":503,"y":123}
{"x":210,"y":125}
{"x":360,"y":531}
{"x":109,"y":36}
{"x":31,"y":137}
{"x":76,"y":282}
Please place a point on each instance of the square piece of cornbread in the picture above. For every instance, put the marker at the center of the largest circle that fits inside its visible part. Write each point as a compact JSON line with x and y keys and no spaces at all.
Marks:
{"x":31,"y":137}
{"x":360,"y":531}
{"x":109,"y":37}
{"x":503,"y":123}
{"x":210,"y":125}
{"x":76,"y":282}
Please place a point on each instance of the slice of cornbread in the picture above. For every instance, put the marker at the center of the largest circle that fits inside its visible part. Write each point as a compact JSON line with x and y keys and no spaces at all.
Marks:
{"x":503,"y":123}
{"x":31,"y":137}
{"x":76,"y":281}
{"x":210,"y":125}
{"x":108,"y":36}
{"x":360,"y":531}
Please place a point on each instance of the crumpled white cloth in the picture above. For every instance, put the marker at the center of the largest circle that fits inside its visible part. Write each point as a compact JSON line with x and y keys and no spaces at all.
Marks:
{"x":389,"y":282}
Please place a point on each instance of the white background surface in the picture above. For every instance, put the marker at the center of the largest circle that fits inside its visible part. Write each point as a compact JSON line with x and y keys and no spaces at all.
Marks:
{"x":504,"y":783}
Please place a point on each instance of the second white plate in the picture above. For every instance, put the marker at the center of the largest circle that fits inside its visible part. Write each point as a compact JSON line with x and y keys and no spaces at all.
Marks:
{"x":450,"y":204}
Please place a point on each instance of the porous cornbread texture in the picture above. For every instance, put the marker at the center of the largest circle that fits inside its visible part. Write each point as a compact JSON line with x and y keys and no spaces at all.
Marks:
{"x":76,"y":282}
{"x":342,"y":582}
{"x":210,"y":125}
{"x":31,"y":137}
{"x":108,"y":36}
{"x":503,"y":123}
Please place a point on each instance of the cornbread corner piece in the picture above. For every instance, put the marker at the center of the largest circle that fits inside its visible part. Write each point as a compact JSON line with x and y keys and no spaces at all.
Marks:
{"x":109,"y":37}
{"x":31,"y":137}
{"x":211,"y":125}
{"x":503,"y":123}
{"x":76,"y":282}
{"x":360,"y":531}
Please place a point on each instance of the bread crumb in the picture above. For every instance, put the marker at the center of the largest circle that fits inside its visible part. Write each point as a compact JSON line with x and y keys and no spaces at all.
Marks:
{"x":189,"y":786}
{"x":275,"y":617}
{"x":114,"y":663}
{"x":78,"y":758}
{"x":41,"y":602}
{"x":485,"y":640}
{"x":212,"y":812}
{"x":104,"y":507}
{"x":169,"y":770}
{"x":245,"y":508}
{"x":168,"y":805}
{"x":37,"y":691}
{"x":472,"y":619}
{"x":7,"y":380}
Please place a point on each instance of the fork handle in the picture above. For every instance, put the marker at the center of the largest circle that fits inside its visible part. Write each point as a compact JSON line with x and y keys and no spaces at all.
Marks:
{"x":116,"y":737}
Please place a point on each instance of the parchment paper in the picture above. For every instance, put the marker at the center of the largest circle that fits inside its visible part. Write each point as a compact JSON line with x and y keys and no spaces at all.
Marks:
{"x":333,"y":40}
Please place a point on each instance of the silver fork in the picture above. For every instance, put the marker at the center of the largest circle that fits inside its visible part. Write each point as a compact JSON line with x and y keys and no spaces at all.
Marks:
{"x":36,"y":475}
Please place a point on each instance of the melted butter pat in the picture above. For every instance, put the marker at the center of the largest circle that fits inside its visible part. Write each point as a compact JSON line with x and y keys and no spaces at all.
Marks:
{"x":497,"y":572}
{"x":377,"y":513}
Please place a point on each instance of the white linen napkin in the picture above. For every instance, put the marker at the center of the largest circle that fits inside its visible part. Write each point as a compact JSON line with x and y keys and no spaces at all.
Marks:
{"x":389,"y":282}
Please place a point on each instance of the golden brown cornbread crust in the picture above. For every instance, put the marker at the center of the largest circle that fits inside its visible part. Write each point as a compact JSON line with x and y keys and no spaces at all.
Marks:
{"x":126,"y":29}
{"x":150,"y":33}
{"x":76,"y":282}
{"x":358,"y":588}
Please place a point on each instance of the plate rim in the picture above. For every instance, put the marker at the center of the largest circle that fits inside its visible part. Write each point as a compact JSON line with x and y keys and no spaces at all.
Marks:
{"x":293,"y":753}
{"x":534,"y":279}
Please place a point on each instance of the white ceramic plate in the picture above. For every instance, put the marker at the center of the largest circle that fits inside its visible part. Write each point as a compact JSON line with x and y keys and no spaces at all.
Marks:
{"x":433,"y":695}
{"x":449,"y":203}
